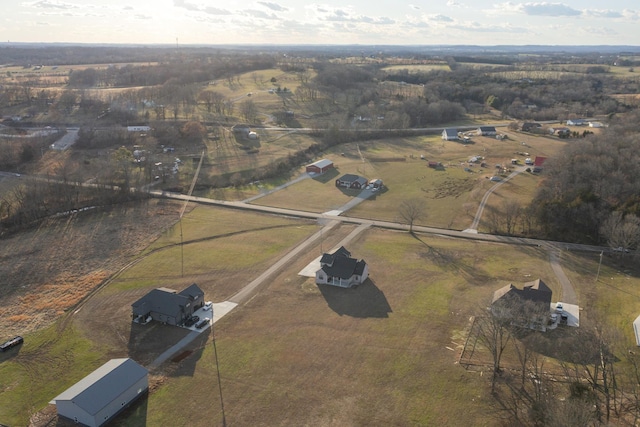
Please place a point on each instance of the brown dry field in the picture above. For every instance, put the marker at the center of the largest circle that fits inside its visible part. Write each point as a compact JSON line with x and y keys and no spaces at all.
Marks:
{"x":48,"y":270}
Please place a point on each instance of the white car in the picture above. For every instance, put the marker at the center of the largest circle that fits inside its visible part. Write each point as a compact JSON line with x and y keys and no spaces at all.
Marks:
{"x":208,"y":305}
{"x":559,"y":308}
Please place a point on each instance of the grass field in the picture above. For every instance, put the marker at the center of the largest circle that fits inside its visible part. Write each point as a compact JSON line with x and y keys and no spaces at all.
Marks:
{"x":307,"y":355}
{"x":451,"y":194}
{"x":298,"y":353}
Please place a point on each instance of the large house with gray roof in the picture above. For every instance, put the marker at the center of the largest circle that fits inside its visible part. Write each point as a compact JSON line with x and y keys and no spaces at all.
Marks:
{"x":168,"y":306}
{"x":339,"y":269}
{"x":100,"y":396}
{"x":528,"y":307}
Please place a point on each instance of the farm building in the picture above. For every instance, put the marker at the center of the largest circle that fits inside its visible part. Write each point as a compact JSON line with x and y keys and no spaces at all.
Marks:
{"x":576,"y":122}
{"x":321,"y":166}
{"x":351,"y":181}
{"x":529,"y":306}
{"x":339,"y":269}
{"x":537,"y":164}
{"x":529,"y":126}
{"x":168,"y":306}
{"x":450,"y":134}
{"x":104,"y":393}
{"x":487,"y":131}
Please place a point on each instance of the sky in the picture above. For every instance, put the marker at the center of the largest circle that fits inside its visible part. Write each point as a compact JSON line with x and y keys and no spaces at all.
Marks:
{"x":333,"y":22}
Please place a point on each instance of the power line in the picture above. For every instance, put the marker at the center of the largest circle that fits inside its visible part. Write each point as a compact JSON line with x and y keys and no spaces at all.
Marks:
{"x":184,"y":207}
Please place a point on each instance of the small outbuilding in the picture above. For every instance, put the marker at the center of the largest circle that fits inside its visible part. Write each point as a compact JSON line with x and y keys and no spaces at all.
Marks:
{"x":100,"y":396}
{"x":339,"y":269}
{"x":168,"y":306}
{"x":319,"y":167}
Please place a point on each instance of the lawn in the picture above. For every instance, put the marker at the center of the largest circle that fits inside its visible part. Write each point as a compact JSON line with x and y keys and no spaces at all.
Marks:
{"x":379,"y":354}
{"x":451,"y":194}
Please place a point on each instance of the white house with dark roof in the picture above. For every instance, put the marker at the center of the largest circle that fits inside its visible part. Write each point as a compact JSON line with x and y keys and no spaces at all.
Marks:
{"x":104,"y":393}
{"x":169,"y":306}
{"x":339,"y":269}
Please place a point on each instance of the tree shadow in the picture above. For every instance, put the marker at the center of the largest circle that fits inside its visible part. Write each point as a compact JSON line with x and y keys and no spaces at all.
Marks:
{"x":567,"y":344}
{"x":363,"y":301}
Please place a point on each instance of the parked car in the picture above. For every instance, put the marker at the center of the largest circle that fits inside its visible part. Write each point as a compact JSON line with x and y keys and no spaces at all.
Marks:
{"x":13,"y":342}
{"x":559,"y":308}
{"x":495,"y":178}
{"x":204,"y":322}
{"x":208,"y":305}
{"x":191,"y":321}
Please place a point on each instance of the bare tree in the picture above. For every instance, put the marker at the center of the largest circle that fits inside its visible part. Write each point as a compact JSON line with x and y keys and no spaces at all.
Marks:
{"x":511,"y":213}
{"x":621,"y":231}
{"x":493,"y":333}
{"x":412,"y":210}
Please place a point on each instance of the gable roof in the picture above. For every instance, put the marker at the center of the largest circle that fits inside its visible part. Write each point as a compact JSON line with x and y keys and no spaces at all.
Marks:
{"x":329,"y":258}
{"x":539,"y":161}
{"x":167,"y":301}
{"x":322,"y":163}
{"x":96,"y":390}
{"x":340,"y":264}
{"x":451,"y":132}
{"x":536,"y":291}
{"x":349,"y":177}
{"x":487,"y":128}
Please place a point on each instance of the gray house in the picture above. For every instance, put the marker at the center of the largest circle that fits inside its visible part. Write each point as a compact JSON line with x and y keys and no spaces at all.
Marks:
{"x":351,"y":181}
{"x":339,"y":269}
{"x":168,"y":306}
{"x":487,"y":131}
{"x":104,"y":393}
{"x":527,"y":307}
{"x":450,"y":134}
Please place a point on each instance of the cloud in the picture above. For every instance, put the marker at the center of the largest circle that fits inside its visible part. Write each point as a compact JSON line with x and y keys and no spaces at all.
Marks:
{"x":189,"y":6}
{"x":602,"y":31}
{"x":142,"y":17}
{"x":540,"y":9}
{"x":453,"y":3}
{"x":631,"y":14}
{"x":482,"y":28}
{"x":215,"y":11}
{"x":325,"y":13}
{"x":603,"y":13}
{"x":273,"y":6}
{"x":48,"y":4}
{"x":413,"y":6}
{"x":440,"y":18}
{"x":259,"y":14}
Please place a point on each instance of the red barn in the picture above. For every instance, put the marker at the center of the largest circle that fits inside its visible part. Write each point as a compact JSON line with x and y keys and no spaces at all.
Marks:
{"x":321,"y":166}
